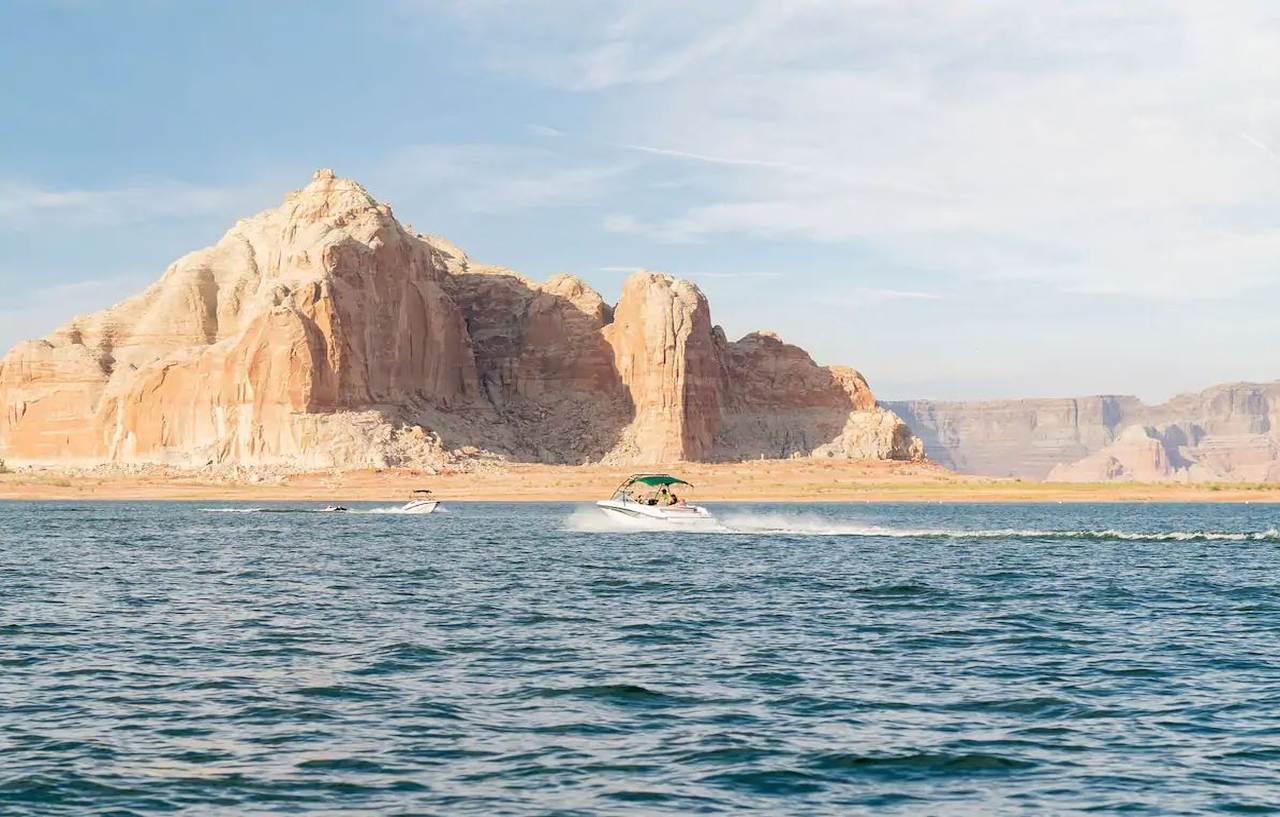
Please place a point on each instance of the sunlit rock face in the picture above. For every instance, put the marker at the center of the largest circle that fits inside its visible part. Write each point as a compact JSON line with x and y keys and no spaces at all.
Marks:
{"x":323,"y":333}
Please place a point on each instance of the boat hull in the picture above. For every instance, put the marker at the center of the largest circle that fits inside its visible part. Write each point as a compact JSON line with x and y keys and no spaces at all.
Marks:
{"x":635,"y":513}
{"x":420,"y":506}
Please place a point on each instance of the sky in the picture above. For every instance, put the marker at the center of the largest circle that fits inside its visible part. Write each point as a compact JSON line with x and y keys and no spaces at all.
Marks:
{"x":964,"y":199}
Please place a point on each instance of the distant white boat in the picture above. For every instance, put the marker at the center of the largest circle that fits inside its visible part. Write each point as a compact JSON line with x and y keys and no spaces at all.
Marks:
{"x":422,"y":502}
{"x":654,"y":498}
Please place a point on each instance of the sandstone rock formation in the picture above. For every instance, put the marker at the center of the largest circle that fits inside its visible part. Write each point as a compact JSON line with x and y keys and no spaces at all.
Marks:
{"x":669,"y":361}
{"x":1139,"y":454}
{"x":1225,"y":433}
{"x":325,"y":334}
{"x":779,"y":403}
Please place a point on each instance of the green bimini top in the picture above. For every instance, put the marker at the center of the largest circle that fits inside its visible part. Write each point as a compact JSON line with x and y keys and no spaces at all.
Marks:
{"x":659,"y":479}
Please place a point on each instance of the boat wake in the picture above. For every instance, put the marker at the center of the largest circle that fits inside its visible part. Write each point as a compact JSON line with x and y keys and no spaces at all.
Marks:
{"x":816,"y":526}
{"x":589,"y":520}
{"x":593,"y":520}
{"x":397,"y":510}
{"x":394,"y":510}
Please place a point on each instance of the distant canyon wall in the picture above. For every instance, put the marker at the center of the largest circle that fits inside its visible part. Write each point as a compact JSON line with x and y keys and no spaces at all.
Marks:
{"x":1224,"y":433}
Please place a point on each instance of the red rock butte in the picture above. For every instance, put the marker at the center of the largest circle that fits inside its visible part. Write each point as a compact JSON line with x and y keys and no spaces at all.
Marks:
{"x":324,"y":334}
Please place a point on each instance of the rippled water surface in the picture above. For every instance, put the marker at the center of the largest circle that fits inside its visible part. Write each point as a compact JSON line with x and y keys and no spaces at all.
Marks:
{"x":524,"y":659}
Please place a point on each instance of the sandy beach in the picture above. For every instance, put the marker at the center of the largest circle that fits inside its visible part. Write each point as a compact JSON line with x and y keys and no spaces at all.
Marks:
{"x":759,"y":481}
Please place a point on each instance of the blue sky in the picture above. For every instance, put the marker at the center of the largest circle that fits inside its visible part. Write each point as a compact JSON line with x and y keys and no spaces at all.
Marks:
{"x":962,"y":199}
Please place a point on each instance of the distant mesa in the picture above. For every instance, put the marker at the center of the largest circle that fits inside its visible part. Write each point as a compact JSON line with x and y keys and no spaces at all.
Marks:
{"x":324,"y":334}
{"x":1226,"y":433}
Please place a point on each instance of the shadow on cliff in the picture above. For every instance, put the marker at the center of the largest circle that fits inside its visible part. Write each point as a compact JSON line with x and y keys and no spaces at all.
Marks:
{"x":777,"y":403}
{"x":544,"y":367}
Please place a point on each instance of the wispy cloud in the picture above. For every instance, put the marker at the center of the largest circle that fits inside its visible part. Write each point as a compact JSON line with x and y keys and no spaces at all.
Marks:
{"x":673,"y":231}
{"x":1086,"y":144}
{"x":702,"y":157}
{"x":37,"y":311}
{"x":544,"y":130}
{"x":732,"y":275}
{"x":877,"y":294}
{"x":495,"y":178}
{"x":1260,"y":145}
{"x":598,"y":46}
{"x":25,"y":203}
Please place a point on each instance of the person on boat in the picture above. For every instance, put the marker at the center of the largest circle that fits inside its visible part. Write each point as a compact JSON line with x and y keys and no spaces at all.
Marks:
{"x":665,"y":497}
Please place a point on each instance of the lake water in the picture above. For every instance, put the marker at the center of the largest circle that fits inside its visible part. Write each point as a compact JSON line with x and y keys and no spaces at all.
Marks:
{"x":516,"y":659}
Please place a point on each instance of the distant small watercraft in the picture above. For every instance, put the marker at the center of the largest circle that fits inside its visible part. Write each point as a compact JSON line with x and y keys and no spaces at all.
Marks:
{"x":422,"y":502}
{"x":333,"y":509}
{"x":646,"y":498}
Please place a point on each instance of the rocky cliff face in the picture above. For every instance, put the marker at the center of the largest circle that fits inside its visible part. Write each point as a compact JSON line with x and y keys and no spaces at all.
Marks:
{"x":777,"y":402}
{"x":669,"y":361}
{"x":1226,"y":432}
{"x":323,"y":333}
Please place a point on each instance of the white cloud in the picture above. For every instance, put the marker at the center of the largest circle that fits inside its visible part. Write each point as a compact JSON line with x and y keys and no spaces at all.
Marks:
{"x":1091,"y":145}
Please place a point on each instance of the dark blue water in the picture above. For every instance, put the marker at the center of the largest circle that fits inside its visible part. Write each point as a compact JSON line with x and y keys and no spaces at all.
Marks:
{"x":515,"y":659}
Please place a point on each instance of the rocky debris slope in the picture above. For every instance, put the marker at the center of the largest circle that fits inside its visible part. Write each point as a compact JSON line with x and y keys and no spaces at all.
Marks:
{"x":324,"y":334}
{"x":1224,"y":433}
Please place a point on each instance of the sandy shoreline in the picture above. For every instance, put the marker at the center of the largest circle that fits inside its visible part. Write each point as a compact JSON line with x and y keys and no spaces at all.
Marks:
{"x":762,"y":481}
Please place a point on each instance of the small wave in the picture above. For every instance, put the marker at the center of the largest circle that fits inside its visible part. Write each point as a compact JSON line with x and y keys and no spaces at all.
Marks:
{"x":922,"y":763}
{"x":895,"y":590}
{"x":771,"y":781}
{"x":630,"y":695}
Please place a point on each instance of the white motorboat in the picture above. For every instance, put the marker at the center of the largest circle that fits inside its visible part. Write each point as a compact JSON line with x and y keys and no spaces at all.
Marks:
{"x":422,"y":502}
{"x":654,"y":499}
